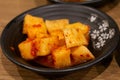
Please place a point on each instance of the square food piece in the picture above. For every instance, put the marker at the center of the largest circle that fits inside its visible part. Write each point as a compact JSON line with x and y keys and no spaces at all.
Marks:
{"x":61,"y":57}
{"x":81,"y":54}
{"x":84,"y":28}
{"x":46,"y":45}
{"x":74,"y":37}
{"x":25,"y":48}
{"x":53,"y":25}
{"x":33,"y":26}
{"x":60,"y":35}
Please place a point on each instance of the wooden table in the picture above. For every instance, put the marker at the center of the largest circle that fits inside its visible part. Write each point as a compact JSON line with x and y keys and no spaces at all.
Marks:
{"x":109,"y":70}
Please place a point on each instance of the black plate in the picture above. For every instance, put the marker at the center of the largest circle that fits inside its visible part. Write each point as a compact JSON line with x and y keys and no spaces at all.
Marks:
{"x":104,"y":34}
{"x":86,"y":2}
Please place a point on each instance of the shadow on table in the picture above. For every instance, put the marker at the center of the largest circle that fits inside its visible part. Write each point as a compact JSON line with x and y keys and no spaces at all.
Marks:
{"x":87,"y":74}
{"x":108,"y":5}
{"x":117,"y":55}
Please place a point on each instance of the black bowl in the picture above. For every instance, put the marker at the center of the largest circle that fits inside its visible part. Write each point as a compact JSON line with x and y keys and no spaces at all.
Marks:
{"x":104,"y":35}
{"x":86,"y":2}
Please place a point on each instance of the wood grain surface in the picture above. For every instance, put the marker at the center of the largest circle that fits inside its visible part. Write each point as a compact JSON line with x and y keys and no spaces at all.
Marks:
{"x":109,"y":69}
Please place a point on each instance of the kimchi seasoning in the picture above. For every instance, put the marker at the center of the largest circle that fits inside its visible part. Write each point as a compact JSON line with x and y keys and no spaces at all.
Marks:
{"x":37,"y":25}
{"x":34,"y":49}
{"x":12,"y":48}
